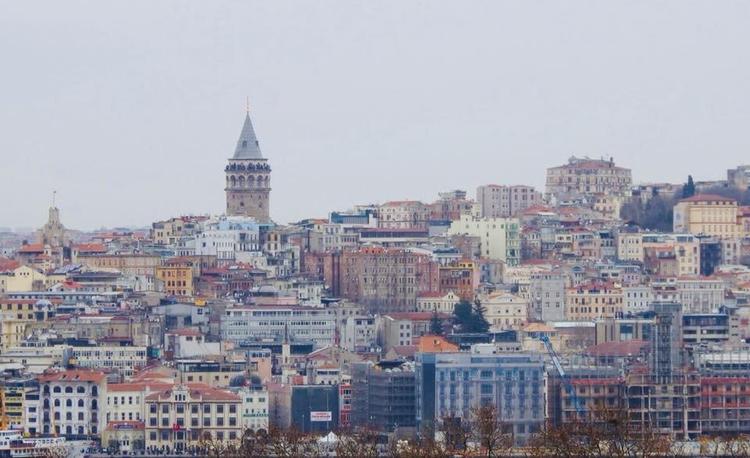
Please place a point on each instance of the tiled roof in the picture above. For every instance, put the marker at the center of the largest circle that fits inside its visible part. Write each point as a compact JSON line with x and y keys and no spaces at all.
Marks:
{"x":73,"y":375}
{"x":708,"y":198}
{"x":185,"y":332}
{"x":617,"y":349}
{"x":197,"y":390}
{"x":90,"y":248}
{"x":435,"y":344}
{"x":31,"y":248}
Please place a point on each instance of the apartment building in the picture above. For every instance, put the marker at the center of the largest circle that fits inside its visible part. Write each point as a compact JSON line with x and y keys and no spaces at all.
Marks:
{"x":498,"y":201}
{"x":707,"y":214}
{"x":499,"y":238}
{"x":71,"y":403}
{"x":276,"y":323}
{"x":592,"y":301}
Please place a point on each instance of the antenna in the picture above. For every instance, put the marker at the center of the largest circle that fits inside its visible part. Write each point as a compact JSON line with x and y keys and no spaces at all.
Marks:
{"x":54,"y":196}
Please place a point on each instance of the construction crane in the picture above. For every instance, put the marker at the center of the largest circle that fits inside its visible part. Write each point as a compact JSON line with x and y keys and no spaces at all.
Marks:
{"x":563,"y":376}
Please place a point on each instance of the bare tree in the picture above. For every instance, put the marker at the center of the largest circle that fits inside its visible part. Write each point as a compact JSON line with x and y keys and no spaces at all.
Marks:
{"x":456,"y":434}
{"x":292,"y":443}
{"x":605,"y":433}
{"x":494,"y":437}
{"x":360,"y":443}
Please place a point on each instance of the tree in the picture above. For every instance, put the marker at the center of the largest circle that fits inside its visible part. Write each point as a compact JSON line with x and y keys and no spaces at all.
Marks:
{"x":470,"y":317}
{"x":292,"y":443}
{"x":456,"y":434}
{"x":462,"y":315}
{"x":605,"y":433}
{"x":688,"y":190}
{"x":424,"y":446}
{"x":436,"y":324}
{"x":361,"y":443}
{"x":480,"y":323}
{"x":656,"y":214}
{"x":493,"y":436}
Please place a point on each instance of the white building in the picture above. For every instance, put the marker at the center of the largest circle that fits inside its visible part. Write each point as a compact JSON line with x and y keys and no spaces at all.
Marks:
{"x":436,"y":302}
{"x":499,"y":238}
{"x":272,"y":323}
{"x":547,"y":296}
{"x":125,"y":360}
{"x":359,"y":333}
{"x":225,"y":236}
{"x":504,"y":310}
{"x":700,"y":295}
{"x":73,"y":400}
{"x":637,"y":298}
{"x":254,"y":408}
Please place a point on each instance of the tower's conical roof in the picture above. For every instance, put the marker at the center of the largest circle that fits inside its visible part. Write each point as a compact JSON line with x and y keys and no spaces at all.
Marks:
{"x":247,"y":145}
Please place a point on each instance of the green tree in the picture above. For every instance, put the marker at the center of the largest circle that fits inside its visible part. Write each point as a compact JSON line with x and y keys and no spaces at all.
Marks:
{"x":688,"y":190}
{"x":479,"y":322}
{"x":436,"y":324}
{"x":462,"y":315}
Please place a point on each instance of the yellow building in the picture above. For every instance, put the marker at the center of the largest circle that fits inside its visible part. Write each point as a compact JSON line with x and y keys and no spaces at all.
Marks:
{"x":23,"y":279}
{"x":12,"y":402}
{"x":16,"y":315}
{"x":176,"y":277}
{"x":707,"y":214}
{"x":682,"y":250}
{"x":592,"y":301}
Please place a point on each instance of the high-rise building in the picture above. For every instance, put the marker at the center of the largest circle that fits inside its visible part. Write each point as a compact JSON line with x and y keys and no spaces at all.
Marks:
{"x":248,"y":174}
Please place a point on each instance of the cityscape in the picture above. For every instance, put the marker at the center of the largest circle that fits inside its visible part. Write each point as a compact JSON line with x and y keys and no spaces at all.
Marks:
{"x":603,"y":313}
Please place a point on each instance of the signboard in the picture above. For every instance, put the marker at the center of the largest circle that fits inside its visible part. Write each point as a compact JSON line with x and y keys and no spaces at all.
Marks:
{"x":321,"y":416}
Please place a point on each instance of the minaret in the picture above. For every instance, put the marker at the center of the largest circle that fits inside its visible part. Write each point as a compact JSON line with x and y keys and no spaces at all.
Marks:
{"x":248,"y":177}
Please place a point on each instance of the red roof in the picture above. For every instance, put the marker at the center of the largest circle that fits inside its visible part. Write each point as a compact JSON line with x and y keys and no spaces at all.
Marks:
{"x":138,"y":386}
{"x":31,"y":248}
{"x":8,"y":264}
{"x":708,"y":198}
{"x":185,"y":332}
{"x":73,"y":375}
{"x":90,"y":248}
{"x":198,"y":390}
{"x":617,"y":349}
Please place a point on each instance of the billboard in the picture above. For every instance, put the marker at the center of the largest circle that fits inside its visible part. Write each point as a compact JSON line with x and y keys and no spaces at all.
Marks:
{"x":321,"y":416}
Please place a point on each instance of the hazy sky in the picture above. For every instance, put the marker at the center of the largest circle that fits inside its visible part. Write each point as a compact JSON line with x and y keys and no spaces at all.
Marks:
{"x":130,"y":109}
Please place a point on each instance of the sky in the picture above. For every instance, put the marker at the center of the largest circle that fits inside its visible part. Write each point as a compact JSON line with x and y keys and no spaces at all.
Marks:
{"x":130,"y":109}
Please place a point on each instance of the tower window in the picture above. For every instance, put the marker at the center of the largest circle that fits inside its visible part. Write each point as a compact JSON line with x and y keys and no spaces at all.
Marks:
{"x":244,"y":143}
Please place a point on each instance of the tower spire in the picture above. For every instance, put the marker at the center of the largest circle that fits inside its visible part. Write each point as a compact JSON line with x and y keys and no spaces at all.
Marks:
{"x":247,"y":145}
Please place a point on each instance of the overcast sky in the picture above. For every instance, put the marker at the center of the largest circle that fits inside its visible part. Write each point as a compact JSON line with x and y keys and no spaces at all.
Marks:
{"x":130,"y":109}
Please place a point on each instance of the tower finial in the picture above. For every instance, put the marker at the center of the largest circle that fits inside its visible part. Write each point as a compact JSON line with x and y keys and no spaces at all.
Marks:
{"x":54,"y":196}
{"x":247,"y":105}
